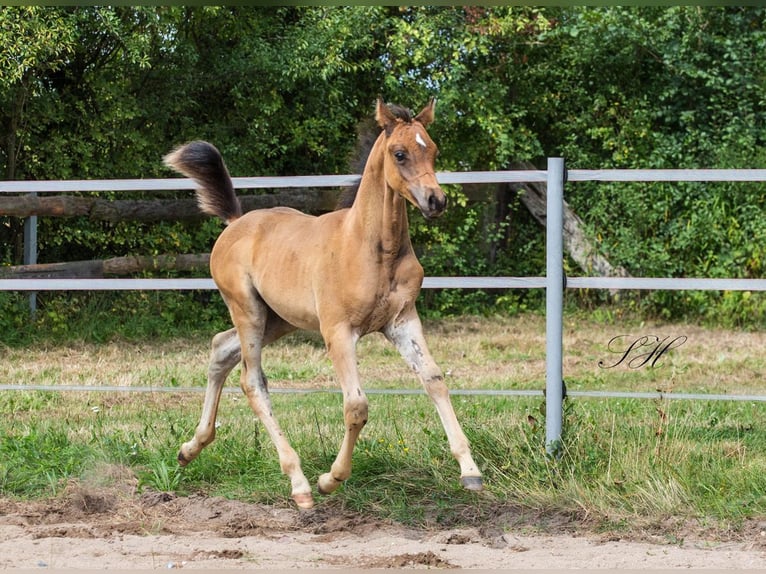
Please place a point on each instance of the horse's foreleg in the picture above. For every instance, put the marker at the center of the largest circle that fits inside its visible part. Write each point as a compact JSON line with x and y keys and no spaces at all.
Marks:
{"x":406,"y":333}
{"x":224,"y":357}
{"x":255,"y":387}
{"x":341,"y":346}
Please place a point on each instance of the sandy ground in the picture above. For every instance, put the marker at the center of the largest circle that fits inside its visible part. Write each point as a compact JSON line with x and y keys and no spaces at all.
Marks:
{"x":118,"y":528}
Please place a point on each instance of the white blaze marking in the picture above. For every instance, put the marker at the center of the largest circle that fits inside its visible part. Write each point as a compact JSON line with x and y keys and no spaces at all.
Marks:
{"x":419,"y":139}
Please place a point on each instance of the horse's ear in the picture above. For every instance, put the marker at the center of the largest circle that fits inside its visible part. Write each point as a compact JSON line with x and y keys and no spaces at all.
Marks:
{"x":426,"y":115}
{"x":384,"y":116}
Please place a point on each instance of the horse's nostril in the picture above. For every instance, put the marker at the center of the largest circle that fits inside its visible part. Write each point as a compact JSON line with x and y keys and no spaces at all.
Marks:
{"x":436,"y":203}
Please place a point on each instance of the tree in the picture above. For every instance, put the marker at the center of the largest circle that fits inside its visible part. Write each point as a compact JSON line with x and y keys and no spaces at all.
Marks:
{"x":103,"y":92}
{"x":35,"y":45}
{"x":664,"y":88}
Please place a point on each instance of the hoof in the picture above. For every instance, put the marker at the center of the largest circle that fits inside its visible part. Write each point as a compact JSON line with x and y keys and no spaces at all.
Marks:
{"x":182,"y":460}
{"x":472,"y":482}
{"x":304,"y":500}
{"x":327,"y":484}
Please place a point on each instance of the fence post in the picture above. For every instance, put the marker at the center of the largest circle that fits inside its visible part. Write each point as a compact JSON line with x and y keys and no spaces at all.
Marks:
{"x":30,"y":255}
{"x":554,"y":303}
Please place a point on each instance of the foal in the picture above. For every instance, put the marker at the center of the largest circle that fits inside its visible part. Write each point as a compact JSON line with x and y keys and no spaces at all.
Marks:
{"x":346,"y":274}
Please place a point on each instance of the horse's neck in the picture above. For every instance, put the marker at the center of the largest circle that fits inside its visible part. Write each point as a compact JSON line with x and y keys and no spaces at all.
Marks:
{"x":381,"y":211}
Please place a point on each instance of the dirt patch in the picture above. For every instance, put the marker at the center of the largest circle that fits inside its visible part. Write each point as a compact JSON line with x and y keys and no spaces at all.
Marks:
{"x":105,"y":523}
{"x":421,"y":559}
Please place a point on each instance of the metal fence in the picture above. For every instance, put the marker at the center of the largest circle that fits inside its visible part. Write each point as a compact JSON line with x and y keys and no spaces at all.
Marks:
{"x":555,"y":282}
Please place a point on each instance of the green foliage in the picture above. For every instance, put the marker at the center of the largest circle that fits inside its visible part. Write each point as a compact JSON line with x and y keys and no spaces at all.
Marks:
{"x":469,"y":241}
{"x":33,"y":39}
{"x":105,"y":92}
{"x":674,"y":87}
{"x":104,"y":316}
{"x":14,"y":317}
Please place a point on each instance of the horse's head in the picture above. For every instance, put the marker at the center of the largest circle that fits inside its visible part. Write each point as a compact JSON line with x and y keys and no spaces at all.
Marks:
{"x":409,"y":158}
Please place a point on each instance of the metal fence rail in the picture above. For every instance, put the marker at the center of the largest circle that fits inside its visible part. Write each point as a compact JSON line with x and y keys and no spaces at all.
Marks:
{"x":657,"y":395}
{"x":554,"y":282}
{"x":299,"y":181}
{"x":638,"y":283}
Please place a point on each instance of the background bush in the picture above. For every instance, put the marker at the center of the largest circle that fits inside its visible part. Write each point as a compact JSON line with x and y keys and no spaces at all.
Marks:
{"x":98,"y":92}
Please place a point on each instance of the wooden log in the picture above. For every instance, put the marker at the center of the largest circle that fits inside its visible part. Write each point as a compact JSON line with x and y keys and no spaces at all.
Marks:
{"x":137,"y":264}
{"x":68,"y":270}
{"x":47,"y":205}
{"x":306,"y":200}
{"x":116,"y":266}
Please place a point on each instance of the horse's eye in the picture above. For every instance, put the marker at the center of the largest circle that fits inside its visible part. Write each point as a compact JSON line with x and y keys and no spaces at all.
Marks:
{"x":400,"y":156}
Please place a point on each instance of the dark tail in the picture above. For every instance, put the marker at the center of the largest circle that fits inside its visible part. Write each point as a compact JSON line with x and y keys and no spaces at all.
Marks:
{"x":203,"y":163}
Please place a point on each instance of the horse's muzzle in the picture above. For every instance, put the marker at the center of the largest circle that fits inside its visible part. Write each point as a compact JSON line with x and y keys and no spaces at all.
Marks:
{"x":433,"y":203}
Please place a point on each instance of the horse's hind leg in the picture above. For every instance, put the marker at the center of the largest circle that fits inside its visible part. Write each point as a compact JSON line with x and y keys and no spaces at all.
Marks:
{"x":406,"y":333}
{"x":251,"y":322}
{"x":224,"y":357}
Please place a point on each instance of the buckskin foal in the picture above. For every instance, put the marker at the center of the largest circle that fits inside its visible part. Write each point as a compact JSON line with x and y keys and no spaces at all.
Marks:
{"x":345,"y":273}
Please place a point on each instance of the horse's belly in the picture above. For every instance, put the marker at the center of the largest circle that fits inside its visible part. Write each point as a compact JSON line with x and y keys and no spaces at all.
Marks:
{"x":284,"y":280}
{"x":275,"y":251}
{"x":297,"y":309}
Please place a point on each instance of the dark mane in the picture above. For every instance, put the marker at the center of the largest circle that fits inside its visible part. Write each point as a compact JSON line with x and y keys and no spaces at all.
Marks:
{"x":401,"y":113}
{"x":368,"y":133}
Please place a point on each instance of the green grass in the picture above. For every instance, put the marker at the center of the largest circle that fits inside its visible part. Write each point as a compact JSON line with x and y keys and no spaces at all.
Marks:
{"x":624,"y":464}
